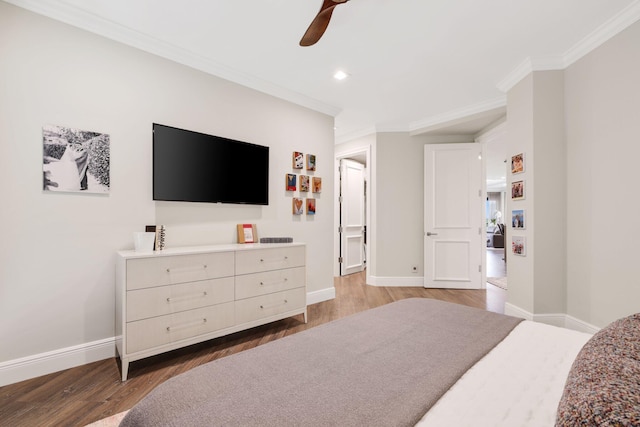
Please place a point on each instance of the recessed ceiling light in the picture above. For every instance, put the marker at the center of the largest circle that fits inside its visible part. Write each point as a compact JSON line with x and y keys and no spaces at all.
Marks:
{"x":340,"y":75}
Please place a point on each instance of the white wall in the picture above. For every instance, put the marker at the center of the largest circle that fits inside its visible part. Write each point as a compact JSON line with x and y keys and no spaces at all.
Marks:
{"x":57,"y":252}
{"x":603,"y":127}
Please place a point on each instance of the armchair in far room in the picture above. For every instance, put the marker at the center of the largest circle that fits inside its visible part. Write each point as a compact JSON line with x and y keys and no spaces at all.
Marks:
{"x":497,"y":239}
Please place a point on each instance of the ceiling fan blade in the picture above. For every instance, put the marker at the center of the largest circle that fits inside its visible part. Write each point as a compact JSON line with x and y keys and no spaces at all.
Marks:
{"x":320,"y":23}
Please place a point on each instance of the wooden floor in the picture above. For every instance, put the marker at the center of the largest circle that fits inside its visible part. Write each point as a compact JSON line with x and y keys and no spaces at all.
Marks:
{"x":496,"y":264}
{"x":82,"y":395}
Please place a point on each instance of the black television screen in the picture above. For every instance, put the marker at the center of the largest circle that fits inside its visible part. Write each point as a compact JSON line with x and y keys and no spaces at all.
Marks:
{"x":195,"y":167}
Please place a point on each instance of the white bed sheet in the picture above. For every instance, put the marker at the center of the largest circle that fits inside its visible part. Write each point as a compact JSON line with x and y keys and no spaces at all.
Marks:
{"x":519,"y":383}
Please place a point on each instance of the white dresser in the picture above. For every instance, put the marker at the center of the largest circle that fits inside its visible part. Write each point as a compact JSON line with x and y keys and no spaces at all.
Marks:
{"x":181,"y":296}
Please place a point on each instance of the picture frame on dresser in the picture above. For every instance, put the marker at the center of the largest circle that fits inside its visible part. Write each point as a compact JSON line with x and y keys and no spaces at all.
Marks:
{"x":247,"y":233}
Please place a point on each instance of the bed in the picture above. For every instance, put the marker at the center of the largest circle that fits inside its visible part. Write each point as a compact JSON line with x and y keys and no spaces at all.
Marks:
{"x":412,"y":362}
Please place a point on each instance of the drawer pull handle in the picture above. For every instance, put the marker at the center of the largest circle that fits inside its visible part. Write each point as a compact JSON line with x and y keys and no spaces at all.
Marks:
{"x":275,"y":282}
{"x":178,"y":269}
{"x":273,"y":305}
{"x":202,"y":294}
{"x":286,"y":258}
{"x":187,"y":325}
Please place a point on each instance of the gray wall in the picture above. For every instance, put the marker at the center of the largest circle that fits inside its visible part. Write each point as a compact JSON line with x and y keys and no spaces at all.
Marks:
{"x":578,"y":128}
{"x":535,"y":127}
{"x":603,"y":127}
{"x":549,"y":193}
{"x":57,"y":251}
{"x":399,"y":212}
{"x":399,"y":207}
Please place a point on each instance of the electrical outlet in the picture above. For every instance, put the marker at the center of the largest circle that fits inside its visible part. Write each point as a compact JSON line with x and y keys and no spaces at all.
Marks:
{"x":414,"y":269}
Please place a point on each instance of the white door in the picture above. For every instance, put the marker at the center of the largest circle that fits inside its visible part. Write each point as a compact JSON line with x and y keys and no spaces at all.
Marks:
{"x":453,"y":216}
{"x":351,"y":217}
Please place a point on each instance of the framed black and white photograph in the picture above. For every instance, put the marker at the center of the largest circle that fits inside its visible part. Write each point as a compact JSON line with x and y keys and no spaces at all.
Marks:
{"x":517,"y":190}
{"x":75,"y":160}
{"x":517,"y":219}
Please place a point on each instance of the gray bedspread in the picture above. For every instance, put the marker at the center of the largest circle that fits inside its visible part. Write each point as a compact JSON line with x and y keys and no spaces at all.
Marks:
{"x":383,"y":367}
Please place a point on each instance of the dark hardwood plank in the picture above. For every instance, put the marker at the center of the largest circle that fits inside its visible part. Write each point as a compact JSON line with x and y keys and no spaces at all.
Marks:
{"x":82,"y":395}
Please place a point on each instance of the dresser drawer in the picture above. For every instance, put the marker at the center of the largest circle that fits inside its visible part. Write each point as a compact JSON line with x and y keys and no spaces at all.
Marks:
{"x":268,"y":282}
{"x":161,"y":300}
{"x":157,"y":331}
{"x":167,"y":270}
{"x":269,"y":259}
{"x":263,"y":306}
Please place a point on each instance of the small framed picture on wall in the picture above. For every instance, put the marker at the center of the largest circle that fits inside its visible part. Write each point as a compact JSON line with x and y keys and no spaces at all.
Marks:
{"x":304,"y":183}
{"x":298,"y":160}
{"x":517,"y":163}
{"x":517,"y":219}
{"x":311,"y":206}
{"x":298,"y":206}
{"x":517,"y":190}
{"x":518,"y":245}
{"x":311,"y":162}
{"x":316,"y":184}
{"x":291,"y":182}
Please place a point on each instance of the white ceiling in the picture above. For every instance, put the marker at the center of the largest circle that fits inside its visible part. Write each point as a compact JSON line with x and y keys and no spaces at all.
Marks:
{"x":420,"y":66}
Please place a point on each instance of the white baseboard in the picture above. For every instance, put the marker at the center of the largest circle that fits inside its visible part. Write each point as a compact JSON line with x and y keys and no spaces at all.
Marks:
{"x":578,"y":325}
{"x":556,"y":319}
{"x":17,"y":370}
{"x":321,"y":295}
{"x":515,"y":311}
{"x":25,"y":368}
{"x":390,"y":282}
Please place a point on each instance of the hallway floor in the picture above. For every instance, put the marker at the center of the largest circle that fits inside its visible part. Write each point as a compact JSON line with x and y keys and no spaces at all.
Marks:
{"x":496,"y":265}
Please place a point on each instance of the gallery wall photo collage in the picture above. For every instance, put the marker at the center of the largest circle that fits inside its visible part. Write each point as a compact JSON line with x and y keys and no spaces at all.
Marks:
{"x":304,"y":183}
{"x":518,"y":242}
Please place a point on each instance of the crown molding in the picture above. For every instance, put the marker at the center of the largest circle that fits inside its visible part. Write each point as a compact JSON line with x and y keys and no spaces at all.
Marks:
{"x":596,"y":38}
{"x":464,"y":112}
{"x":351,"y":136}
{"x":63,"y":12}
{"x":393,"y":128}
{"x":619,"y":22}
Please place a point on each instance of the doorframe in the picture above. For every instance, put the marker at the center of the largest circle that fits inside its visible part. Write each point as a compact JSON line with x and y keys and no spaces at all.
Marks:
{"x":366,"y":150}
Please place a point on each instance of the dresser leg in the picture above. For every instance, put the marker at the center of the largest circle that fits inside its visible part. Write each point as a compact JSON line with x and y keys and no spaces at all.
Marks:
{"x":125,"y":370}
{"x":305,"y":315}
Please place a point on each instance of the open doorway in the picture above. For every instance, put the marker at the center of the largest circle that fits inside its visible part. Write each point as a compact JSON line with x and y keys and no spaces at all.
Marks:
{"x":496,"y":239}
{"x":352,"y":212}
{"x":352,"y":228}
{"x":496,"y":207}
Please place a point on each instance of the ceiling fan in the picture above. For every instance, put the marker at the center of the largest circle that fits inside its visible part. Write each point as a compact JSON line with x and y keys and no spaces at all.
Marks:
{"x":320,"y":22}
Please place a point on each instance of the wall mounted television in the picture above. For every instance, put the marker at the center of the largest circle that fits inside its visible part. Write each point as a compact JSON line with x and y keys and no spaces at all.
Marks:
{"x":195,"y":167}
